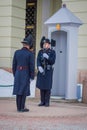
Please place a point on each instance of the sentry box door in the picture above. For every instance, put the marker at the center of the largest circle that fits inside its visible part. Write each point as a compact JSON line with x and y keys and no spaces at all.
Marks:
{"x":60,"y":71}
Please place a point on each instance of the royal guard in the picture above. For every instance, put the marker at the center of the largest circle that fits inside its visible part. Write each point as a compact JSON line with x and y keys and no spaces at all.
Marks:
{"x":23,"y":71}
{"x":45,"y":61}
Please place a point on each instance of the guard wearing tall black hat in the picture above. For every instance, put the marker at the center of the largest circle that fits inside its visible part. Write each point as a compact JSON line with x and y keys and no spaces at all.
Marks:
{"x":45,"y":61}
{"x":23,"y":71}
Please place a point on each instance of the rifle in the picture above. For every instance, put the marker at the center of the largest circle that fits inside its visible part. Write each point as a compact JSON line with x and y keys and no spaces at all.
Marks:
{"x":44,"y":62}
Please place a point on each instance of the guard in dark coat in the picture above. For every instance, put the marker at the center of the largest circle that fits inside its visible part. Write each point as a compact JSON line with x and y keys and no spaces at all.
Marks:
{"x":45,"y":60}
{"x":23,"y":71}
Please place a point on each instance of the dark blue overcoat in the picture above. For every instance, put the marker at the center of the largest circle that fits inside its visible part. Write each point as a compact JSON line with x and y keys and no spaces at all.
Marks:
{"x":23,"y":71}
{"x":44,"y":81}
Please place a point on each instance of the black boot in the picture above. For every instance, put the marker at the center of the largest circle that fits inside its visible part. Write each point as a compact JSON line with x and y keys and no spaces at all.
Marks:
{"x":41,"y":104}
{"x":18,"y":102}
{"x":47,"y":98}
{"x":46,"y":104}
{"x":42,"y":96}
{"x":23,"y":108}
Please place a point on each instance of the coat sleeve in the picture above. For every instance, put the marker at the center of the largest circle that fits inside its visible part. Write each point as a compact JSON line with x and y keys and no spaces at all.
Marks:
{"x":32,"y":66}
{"x":39,"y":59}
{"x":14,"y":64}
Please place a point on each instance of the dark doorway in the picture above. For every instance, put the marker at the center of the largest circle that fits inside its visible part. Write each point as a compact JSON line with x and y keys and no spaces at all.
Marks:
{"x":31,"y":16}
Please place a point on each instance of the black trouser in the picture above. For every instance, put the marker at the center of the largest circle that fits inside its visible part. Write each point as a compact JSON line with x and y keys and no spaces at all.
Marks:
{"x":45,"y":96}
{"x":20,"y":102}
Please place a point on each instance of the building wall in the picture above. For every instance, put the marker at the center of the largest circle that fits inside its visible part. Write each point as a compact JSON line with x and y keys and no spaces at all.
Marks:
{"x":39,"y":24}
{"x":79,"y":8}
{"x":12,"y":25}
{"x":55,"y":5}
{"x":5,"y":32}
{"x":17,"y":24}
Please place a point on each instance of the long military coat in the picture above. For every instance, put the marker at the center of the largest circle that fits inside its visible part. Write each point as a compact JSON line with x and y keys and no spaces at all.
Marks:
{"x":44,"y":80}
{"x":23,"y":71}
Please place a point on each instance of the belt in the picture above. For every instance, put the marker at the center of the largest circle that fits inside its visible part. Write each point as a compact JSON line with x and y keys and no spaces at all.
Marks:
{"x":49,"y":67}
{"x":22,"y":67}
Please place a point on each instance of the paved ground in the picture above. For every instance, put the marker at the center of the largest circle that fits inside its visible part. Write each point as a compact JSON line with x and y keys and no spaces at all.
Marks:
{"x":59,"y":116}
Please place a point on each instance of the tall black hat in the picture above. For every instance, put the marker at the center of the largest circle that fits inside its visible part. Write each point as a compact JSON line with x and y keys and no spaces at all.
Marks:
{"x":42,"y":41}
{"x":28,"y":40}
{"x":47,"y":41}
{"x":53,"y":43}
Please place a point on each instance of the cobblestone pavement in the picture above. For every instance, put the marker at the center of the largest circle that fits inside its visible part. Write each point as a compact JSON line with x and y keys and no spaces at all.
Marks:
{"x":59,"y":116}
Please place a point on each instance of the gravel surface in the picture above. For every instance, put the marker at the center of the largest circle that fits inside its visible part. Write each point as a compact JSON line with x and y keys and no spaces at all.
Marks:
{"x":59,"y":116}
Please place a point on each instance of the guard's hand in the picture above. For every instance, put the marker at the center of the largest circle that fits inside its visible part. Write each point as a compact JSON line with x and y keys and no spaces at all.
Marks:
{"x":45,"y":56}
{"x":31,"y":80}
{"x":41,"y":70}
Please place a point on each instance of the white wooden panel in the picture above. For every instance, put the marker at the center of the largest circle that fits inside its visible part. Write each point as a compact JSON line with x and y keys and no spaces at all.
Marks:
{"x":5,"y":52}
{"x":82,"y":42}
{"x":5,"y":31}
{"x":82,"y":52}
{"x":76,"y":5}
{"x":12,"y":25}
{"x":17,"y":32}
{"x":5,"y":42}
{"x":5,"y":62}
{"x":82,"y":63}
{"x":82,"y":16}
{"x":16,"y":22}
{"x":5,"y":21}
{"x":5,"y":11}
{"x":16,"y":42}
{"x":18,"y":12}
{"x":5,"y":2}
{"x":19,"y":3}
{"x":13,"y":51}
{"x":83,"y":30}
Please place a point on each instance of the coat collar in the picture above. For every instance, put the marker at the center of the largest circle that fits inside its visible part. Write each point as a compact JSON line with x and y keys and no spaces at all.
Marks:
{"x":24,"y":48}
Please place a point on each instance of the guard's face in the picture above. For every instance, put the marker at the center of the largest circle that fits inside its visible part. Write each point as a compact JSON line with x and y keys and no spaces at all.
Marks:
{"x":46,"y":45}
